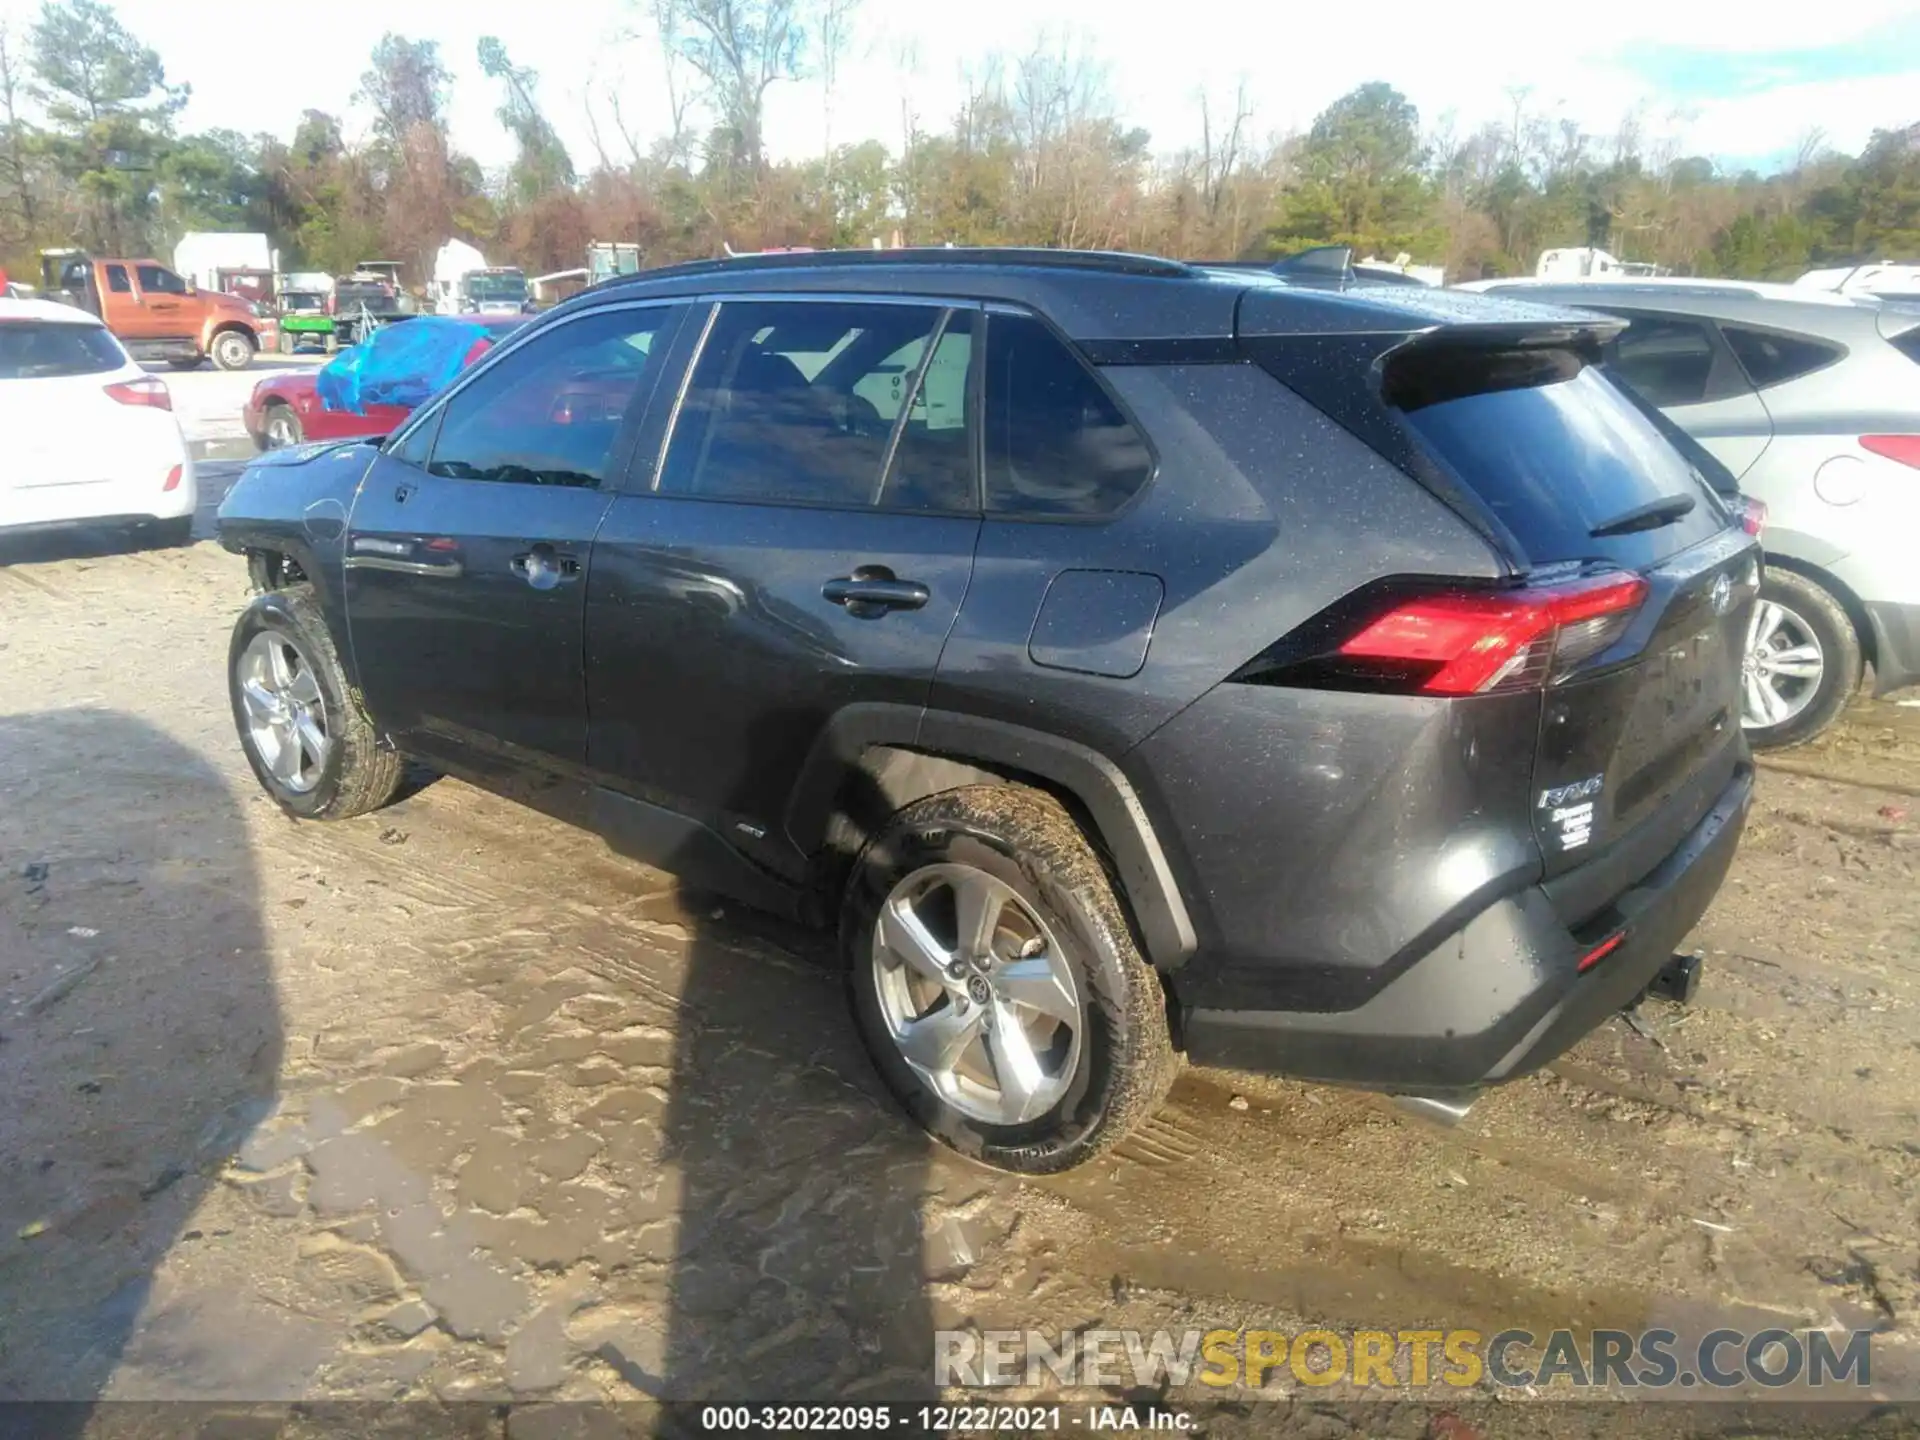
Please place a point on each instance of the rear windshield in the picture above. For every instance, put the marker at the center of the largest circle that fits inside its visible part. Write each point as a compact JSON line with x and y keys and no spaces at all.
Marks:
{"x":1556,"y":451}
{"x":47,"y":349}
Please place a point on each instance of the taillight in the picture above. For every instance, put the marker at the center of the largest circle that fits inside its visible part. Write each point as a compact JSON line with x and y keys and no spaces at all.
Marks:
{"x":144,"y":391}
{"x":1752,"y":514}
{"x":173,"y":478}
{"x":1469,"y":643}
{"x":1903,"y":448}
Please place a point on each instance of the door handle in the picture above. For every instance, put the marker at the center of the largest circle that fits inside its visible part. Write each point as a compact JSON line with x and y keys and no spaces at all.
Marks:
{"x":543,"y":567}
{"x":872,"y":590}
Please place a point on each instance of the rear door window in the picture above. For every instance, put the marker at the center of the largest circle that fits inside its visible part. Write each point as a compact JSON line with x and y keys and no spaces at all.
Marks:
{"x":1057,"y":444}
{"x":1771,"y":358}
{"x":1555,"y":451}
{"x":1673,"y":361}
{"x":48,"y":350}
{"x":117,"y":280}
{"x":833,"y":403}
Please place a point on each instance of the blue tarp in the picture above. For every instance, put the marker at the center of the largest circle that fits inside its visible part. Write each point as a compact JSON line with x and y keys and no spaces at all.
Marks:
{"x":405,"y":364}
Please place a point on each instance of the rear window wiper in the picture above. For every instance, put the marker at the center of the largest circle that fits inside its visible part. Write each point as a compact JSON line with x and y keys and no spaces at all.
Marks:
{"x":1650,"y":516}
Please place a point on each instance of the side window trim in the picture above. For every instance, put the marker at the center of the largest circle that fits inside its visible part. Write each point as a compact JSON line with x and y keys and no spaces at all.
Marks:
{"x":1002,"y":307}
{"x":949,"y":306}
{"x":430,"y":413}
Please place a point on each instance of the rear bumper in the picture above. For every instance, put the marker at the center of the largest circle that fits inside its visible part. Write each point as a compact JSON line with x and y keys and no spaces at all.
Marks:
{"x":1500,"y":997}
{"x":1896,"y":645}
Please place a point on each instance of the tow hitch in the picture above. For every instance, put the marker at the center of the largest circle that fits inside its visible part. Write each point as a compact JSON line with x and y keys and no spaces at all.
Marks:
{"x":1677,"y":981}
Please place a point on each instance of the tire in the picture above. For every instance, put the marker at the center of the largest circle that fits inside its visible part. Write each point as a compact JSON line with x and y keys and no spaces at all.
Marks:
{"x":1795,"y":617}
{"x":280,"y":427}
{"x":231,"y":350}
{"x":1077,"y":939}
{"x":354,"y":774}
{"x":170,"y":534}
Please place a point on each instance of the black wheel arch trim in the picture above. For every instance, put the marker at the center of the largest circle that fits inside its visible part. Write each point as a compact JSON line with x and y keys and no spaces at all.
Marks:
{"x":973,"y":748}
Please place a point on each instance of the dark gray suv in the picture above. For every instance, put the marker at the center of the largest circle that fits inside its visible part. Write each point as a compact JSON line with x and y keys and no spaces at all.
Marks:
{"x":1128,"y":658}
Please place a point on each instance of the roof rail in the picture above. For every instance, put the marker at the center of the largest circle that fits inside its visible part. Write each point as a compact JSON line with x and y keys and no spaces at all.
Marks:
{"x":1112,"y":262}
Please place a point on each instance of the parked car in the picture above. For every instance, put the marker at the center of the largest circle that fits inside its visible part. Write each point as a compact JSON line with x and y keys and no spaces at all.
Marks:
{"x":285,"y":408}
{"x":1812,"y":402}
{"x":1029,"y":617}
{"x":157,"y":315}
{"x":90,"y":436}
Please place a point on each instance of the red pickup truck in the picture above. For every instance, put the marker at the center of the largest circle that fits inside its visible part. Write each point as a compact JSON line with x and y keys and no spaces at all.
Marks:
{"x":155,"y":313}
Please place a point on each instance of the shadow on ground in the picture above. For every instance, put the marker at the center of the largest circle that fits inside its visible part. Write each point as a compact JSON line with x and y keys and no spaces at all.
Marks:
{"x":142,"y":1035}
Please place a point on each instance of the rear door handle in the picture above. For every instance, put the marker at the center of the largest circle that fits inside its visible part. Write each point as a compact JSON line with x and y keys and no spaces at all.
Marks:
{"x":543,"y":567}
{"x":872,"y":590}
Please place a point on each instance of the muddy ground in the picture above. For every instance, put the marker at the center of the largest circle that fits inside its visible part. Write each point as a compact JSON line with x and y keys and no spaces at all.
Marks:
{"x":450,"y":1102}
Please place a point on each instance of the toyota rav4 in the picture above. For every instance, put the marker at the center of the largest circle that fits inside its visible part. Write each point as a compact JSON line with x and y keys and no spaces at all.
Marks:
{"x":1130,"y":659}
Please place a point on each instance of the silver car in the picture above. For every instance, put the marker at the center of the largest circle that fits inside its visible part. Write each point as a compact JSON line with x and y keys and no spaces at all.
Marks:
{"x":1812,"y":402}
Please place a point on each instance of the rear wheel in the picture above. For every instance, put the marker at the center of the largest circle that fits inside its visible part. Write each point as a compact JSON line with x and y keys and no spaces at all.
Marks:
{"x":996,"y":982}
{"x":1802,"y":663}
{"x":232,"y":350}
{"x":281,"y":426}
{"x":309,"y":745}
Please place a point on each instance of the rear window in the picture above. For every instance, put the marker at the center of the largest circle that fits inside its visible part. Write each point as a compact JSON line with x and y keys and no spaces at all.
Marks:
{"x":1908,"y":344}
{"x":48,"y":349}
{"x":1770,"y":358}
{"x":1555,"y":450}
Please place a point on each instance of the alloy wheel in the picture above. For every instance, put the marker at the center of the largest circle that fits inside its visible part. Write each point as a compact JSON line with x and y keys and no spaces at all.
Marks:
{"x":280,"y":429}
{"x":286,"y":711}
{"x":1783,"y":667}
{"x":977,"y":994}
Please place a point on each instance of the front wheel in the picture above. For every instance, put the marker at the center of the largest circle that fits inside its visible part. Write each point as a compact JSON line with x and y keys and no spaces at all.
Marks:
{"x":1802,"y":663}
{"x":232,"y":350}
{"x":282,"y":427}
{"x":997,"y":984}
{"x":309,"y":745}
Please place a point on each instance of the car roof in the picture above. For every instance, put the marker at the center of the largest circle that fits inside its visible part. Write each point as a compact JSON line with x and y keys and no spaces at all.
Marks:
{"x":1757,"y":302}
{"x":1091,"y":295}
{"x":51,"y":310}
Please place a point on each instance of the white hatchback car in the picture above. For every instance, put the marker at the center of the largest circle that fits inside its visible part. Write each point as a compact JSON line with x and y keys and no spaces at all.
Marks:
{"x":89,"y":436}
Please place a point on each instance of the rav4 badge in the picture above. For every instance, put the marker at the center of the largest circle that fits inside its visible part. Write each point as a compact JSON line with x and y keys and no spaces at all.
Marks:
{"x":1570,"y":810}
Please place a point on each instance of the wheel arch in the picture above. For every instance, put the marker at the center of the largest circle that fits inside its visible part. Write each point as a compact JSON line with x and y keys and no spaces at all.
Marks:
{"x":874,"y":759}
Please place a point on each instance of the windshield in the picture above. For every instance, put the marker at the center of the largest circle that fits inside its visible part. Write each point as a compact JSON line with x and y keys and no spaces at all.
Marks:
{"x":497,"y":287}
{"x":43,"y":350}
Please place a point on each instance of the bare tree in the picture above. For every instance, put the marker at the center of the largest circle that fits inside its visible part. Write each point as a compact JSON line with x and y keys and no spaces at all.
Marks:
{"x":741,"y":49}
{"x":836,"y":35}
{"x":668,"y":17}
{"x":16,"y":178}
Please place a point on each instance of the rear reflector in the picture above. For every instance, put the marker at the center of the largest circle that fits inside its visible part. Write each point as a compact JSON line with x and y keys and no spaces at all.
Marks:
{"x":1600,"y":952}
{"x":1467,"y":644}
{"x":144,"y":391}
{"x":1904,"y":448}
{"x":173,"y":478}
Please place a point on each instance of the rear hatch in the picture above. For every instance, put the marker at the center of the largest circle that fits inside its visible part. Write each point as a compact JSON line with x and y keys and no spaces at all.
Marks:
{"x":75,"y":411}
{"x":1631,"y":585}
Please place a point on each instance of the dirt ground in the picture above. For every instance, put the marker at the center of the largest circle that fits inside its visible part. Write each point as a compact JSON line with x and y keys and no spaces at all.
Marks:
{"x":450,"y":1102}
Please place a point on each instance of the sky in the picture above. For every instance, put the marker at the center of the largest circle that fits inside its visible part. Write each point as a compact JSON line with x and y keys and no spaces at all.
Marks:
{"x":1741,"y":82}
